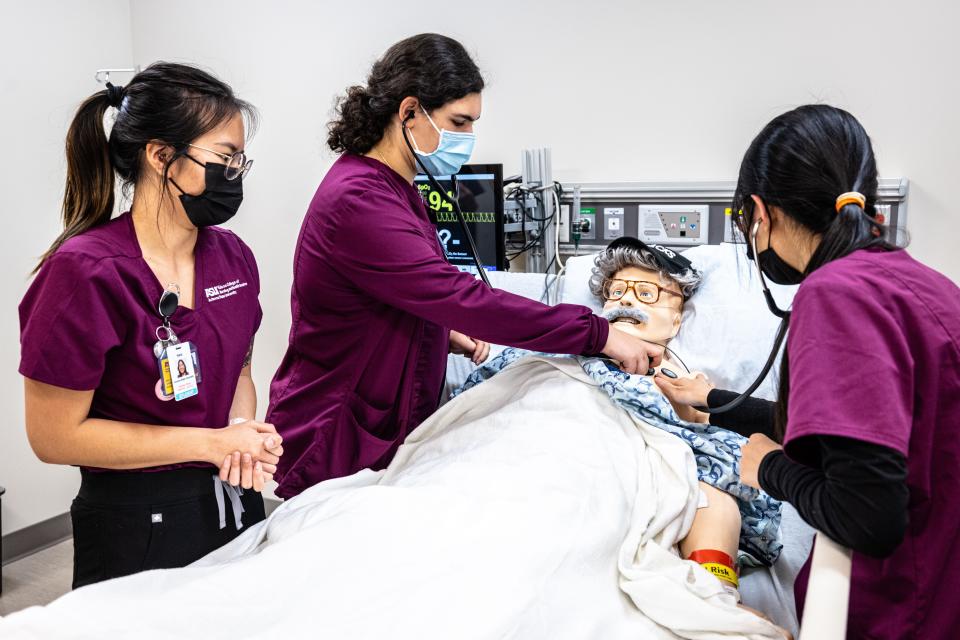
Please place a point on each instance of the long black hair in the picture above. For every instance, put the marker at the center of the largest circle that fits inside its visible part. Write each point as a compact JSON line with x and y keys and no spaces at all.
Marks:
{"x":166,"y":102}
{"x":800,"y":162}
{"x":432,"y":68}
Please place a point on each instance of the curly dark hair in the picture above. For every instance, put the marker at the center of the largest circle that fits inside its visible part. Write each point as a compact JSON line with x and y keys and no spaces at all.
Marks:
{"x":430,"y":67}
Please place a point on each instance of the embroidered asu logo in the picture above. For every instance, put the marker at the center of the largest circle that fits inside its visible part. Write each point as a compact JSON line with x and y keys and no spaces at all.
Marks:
{"x":225,"y":290}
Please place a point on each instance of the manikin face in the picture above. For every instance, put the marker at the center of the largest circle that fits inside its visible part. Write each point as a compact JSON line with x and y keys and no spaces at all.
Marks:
{"x":662,"y":318}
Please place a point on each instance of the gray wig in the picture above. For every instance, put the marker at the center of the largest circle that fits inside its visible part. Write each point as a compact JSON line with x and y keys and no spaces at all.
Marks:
{"x":609,"y":262}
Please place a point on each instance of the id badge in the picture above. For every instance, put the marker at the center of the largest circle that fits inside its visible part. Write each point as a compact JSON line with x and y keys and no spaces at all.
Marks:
{"x":183,"y":374}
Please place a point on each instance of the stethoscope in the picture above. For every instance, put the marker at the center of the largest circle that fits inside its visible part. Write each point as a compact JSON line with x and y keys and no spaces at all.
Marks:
{"x":453,"y":200}
{"x":777,"y":342}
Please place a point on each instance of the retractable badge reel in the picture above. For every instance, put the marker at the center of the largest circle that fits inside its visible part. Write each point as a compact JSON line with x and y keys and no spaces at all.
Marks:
{"x":177,"y":361}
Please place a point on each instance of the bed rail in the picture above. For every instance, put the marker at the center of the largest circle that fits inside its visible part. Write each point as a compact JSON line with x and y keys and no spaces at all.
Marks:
{"x":828,"y":592}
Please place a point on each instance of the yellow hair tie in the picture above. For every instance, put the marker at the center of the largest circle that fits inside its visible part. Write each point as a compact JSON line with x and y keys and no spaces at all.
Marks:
{"x":850,"y":197}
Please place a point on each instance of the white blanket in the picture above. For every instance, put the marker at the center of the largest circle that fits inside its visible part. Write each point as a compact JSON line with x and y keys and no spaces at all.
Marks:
{"x":530,"y":507}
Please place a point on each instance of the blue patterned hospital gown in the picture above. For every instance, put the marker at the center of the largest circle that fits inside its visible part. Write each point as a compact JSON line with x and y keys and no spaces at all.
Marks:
{"x":716,"y":450}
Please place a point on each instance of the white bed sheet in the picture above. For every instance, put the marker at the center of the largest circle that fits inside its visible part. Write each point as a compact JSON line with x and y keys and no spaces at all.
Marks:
{"x":510,"y":513}
{"x":470,"y":591}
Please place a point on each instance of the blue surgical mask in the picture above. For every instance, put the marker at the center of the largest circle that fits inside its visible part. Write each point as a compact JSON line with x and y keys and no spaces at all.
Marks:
{"x":452,"y":152}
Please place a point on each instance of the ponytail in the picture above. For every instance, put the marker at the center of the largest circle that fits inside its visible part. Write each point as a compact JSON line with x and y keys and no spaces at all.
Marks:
{"x":851,"y":228}
{"x":88,"y":196}
{"x":358,"y":128}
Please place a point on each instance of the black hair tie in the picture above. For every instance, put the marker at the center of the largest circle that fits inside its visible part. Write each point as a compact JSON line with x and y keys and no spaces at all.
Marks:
{"x":114,"y":95}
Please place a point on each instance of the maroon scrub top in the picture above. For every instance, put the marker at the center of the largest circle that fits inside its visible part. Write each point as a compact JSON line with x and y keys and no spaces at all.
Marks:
{"x":373,"y":302}
{"x":874,"y":352}
{"x":88,"y":322}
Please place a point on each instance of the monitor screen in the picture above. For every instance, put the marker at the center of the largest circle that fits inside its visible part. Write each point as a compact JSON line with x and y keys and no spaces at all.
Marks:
{"x":479,"y":188}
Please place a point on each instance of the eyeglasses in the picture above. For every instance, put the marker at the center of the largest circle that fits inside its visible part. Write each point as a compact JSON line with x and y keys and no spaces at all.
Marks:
{"x":238,"y":165}
{"x":645,"y":292}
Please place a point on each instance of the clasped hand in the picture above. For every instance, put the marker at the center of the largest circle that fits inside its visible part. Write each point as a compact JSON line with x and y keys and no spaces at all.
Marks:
{"x":247,"y":453}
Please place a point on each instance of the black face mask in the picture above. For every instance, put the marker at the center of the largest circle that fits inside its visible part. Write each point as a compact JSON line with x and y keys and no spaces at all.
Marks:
{"x":774,"y":267}
{"x":220,"y":198}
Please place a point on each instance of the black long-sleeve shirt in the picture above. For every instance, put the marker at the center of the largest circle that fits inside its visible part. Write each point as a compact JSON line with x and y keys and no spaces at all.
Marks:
{"x":754,"y":415}
{"x":854,"y":491}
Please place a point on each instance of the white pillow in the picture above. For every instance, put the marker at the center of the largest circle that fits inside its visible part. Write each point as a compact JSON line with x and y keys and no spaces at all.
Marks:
{"x":727,"y":329}
{"x":575,"y":286}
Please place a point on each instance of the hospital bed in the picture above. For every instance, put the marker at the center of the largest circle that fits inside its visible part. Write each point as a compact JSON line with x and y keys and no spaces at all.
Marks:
{"x":727,"y":333}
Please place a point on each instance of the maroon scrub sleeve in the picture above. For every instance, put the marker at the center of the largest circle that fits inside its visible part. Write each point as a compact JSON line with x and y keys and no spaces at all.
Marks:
{"x":68,"y":324}
{"x":396,"y":264}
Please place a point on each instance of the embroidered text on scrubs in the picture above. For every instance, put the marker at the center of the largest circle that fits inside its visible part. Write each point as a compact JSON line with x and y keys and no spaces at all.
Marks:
{"x":225,"y":290}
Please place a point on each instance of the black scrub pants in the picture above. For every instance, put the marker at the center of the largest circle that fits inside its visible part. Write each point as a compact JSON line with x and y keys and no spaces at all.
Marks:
{"x":126,"y":522}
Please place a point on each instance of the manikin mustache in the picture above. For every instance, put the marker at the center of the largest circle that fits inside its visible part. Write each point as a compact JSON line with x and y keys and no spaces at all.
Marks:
{"x":641,"y":316}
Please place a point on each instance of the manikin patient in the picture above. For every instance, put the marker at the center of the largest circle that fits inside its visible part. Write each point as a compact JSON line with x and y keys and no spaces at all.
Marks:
{"x":643,"y":289}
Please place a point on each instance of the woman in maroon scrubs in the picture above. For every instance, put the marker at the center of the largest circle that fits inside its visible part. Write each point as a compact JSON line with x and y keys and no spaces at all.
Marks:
{"x":136,"y":334}
{"x":376,"y":307}
{"x":863,"y":437}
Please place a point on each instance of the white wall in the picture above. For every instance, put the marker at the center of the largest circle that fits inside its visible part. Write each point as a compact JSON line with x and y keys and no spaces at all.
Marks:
{"x":633,"y":90}
{"x":49,"y":52}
